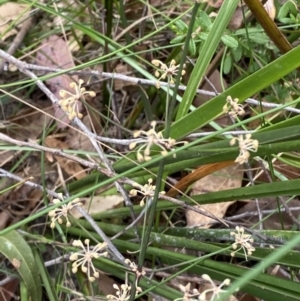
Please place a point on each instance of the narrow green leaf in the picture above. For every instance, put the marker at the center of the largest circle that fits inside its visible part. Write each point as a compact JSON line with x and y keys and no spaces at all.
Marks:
{"x":242,"y":90}
{"x":206,"y":54}
{"x":18,"y":252}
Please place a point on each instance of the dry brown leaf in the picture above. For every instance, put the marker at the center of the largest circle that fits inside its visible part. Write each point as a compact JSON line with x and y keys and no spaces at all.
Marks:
{"x":4,"y":219}
{"x":227,"y":178}
{"x":54,"y":53}
{"x":201,"y":172}
{"x":78,"y":140}
{"x":118,"y":83}
{"x":28,"y":124}
{"x":21,"y":199}
{"x":70,"y":167}
{"x":98,"y":204}
{"x":9,"y":290}
{"x":9,"y":12}
{"x":105,"y":285}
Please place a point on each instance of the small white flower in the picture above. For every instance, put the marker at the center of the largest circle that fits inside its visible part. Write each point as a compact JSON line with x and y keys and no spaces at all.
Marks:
{"x":85,"y":257}
{"x":134,"y":268}
{"x":245,"y":146}
{"x":70,"y":101}
{"x":165,"y":71}
{"x":188,"y":296}
{"x":215,"y":290}
{"x":63,"y":211}
{"x":151,"y":138}
{"x":147,"y":191}
{"x":123,"y":293}
{"x":233,"y":108}
{"x":242,"y":241}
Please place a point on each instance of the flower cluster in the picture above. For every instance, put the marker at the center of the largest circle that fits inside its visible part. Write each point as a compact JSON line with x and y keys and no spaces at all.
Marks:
{"x":188,"y":296}
{"x":123,"y":293}
{"x":147,"y":191}
{"x":233,"y":108}
{"x":245,"y":146}
{"x":165,"y":71}
{"x":134,"y":268}
{"x":152,"y":138}
{"x":210,"y":294}
{"x":63,"y":211}
{"x":216,"y":291}
{"x":242,"y":241}
{"x":70,"y":102}
{"x":84,"y":258}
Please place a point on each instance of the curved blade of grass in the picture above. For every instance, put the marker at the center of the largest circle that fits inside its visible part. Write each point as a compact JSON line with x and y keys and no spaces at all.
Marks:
{"x":206,"y":53}
{"x":242,"y":90}
{"x":17,"y":251}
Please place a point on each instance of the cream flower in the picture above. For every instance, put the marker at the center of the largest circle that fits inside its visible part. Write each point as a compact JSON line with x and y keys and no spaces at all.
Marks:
{"x":166,"y":71}
{"x":84,"y":258}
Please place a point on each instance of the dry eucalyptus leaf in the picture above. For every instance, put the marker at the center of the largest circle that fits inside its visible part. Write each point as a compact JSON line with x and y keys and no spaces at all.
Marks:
{"x":227,"y":178}
{"x":70,"y":167}
{"x":27,"y":123}
{"x":118,"y":83}
{"x":79,"y":140}
{"x":54,"y":52}
{"x":98,"y":204}
{"x":9,"y":12}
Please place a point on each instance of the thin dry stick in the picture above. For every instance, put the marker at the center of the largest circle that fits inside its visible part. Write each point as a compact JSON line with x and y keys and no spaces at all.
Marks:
{"x":135,"y":80}
{"x":57,"y":152}
{"x":255,"y":213}
{"x":26,"y":25}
